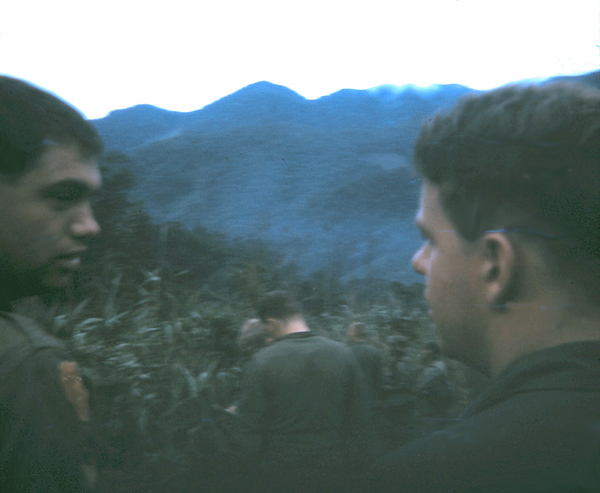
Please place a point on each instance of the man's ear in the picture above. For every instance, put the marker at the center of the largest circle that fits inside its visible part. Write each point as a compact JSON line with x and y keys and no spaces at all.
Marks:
{"x":498,"y":271}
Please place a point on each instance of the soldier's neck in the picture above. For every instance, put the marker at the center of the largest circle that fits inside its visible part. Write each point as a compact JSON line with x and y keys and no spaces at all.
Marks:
{"x":293,"y":325}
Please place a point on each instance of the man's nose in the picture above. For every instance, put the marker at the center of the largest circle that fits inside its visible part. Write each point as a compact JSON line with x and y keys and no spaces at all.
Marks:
{"x":418,"y":261}
{"x":85,"y":223}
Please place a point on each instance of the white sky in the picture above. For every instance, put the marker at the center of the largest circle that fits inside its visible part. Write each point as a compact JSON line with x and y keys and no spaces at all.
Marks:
{"x":183,"y":54}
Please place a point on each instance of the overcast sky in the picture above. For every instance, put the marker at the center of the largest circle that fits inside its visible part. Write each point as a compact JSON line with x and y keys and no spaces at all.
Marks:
{"x":184,"y":54}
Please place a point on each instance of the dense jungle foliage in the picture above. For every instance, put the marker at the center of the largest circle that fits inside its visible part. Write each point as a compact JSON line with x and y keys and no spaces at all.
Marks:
{"x":153,"y":324}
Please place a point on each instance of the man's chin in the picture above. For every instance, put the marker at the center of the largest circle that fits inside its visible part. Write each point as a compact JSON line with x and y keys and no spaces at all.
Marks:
{"x":46,"y":284}
{"x":54,"y":287}
{"x":57,"y":279}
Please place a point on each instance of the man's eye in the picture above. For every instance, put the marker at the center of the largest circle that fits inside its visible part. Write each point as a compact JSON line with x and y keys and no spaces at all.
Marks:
{"x":64,"y":200}
{"x":64,"y":196}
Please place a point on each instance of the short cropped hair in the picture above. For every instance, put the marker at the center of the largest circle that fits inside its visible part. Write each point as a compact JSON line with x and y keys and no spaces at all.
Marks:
{"x":279,"y":305}
{"x":30,"y":119}
{"x":522,"y":158}
{"x":358,"y":329}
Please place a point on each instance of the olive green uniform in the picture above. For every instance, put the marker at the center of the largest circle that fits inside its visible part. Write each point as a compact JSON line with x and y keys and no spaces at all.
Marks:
{"x":536,"y":428}
{"x":304,"y":412}
{"x":43,"y":413}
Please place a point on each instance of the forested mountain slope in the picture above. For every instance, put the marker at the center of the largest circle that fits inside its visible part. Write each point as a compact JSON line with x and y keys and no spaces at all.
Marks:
{"x":328,"y":182}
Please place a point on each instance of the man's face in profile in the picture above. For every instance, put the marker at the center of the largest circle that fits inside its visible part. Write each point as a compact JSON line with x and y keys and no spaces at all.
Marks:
{"x":46,"y":218}
{"x":449,"y":265}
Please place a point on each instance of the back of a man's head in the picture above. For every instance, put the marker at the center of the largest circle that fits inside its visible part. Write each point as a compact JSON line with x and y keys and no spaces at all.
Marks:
{"x":357,"y":331}
{"x":30,"y":119}
{"x":522,"y":159}
{"x":278,"y":305}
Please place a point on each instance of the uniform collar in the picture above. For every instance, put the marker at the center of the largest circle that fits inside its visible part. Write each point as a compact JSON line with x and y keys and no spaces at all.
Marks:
{"x":297,"y":335}
{"x":572,"y":366}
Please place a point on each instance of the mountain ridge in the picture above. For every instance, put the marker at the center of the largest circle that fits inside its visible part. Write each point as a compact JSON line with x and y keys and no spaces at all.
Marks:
{"x":346,"y":108}
{"x":326,"y":181}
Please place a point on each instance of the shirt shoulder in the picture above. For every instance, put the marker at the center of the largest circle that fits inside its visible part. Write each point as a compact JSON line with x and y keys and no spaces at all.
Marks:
{"x":36,"y":364}
{"x":336,"y":349}
{"x":43,"y":410}
{"x":287,"y":351}
{"x":21,"y":340}
{"x":545,"y":409}
{"x":482,"y":454}
{"x":10,"y":332}
{"x":19,"y":329}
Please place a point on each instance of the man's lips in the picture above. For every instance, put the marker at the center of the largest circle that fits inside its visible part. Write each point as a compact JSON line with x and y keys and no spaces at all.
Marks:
{"x":70,"y":261}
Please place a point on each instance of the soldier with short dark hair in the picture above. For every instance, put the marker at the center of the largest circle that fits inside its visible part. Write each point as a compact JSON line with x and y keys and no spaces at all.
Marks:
{"x":433,"y":384}
{"x":510,"y":216}
{"x":303,"y":415}
{"x":48,"y":174}
{"x":369,"y":359}
{"x":254,"y":335}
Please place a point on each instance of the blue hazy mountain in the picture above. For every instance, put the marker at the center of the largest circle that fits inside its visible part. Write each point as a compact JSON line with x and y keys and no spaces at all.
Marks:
{"x":328,"y":181}
{"x":264,"y":103}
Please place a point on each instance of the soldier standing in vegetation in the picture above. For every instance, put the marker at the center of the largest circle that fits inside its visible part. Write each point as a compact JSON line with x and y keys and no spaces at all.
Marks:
{"x":369,"y":359}
{"x":304,"y":413}
{"x":510,"y":214}
{"x":406,"y":366}
{"x":434,"y":383}
{"x":253,"y":336}
{"x":47,"y":177}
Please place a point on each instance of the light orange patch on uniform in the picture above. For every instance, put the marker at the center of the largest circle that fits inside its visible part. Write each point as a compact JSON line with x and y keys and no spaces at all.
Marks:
{"x":75,"y":390}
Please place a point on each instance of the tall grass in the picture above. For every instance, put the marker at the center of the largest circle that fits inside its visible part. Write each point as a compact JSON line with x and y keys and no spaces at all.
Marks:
{"x":161,"y":362}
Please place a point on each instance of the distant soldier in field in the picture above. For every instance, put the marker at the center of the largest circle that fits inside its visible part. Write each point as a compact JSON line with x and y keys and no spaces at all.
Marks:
{"x":510,"y":215}
{"x":253,"y":336}
{"x":48,"y":175}
{"x":399,"y":409}
{"x":405,"y":363}
{"x":304,"y":414}
{"x":434,"y":383}
{"x":369,"y":359}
